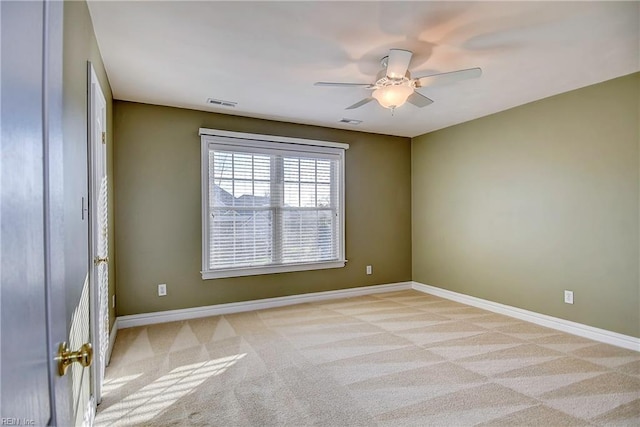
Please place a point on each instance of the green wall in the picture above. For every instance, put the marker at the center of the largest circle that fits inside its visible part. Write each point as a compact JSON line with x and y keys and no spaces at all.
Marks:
{"x":514,"y":207}
{"x":518,"y":206}
{"x":158,"y":219}
{"x":80,"y":46}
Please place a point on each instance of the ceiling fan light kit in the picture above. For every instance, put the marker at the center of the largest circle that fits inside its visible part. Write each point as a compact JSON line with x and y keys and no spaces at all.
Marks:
{"x":394,"y":85}
{"x":392,"y":96}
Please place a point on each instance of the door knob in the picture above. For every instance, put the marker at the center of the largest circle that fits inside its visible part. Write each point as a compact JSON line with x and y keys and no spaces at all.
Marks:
{"x":66,"y":357}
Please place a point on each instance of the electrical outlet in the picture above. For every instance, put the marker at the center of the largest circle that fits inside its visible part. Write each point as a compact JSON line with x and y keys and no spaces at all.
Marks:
{"x":568,"y":297}
{"x":162,"y":289}
{"x":369,"y":269}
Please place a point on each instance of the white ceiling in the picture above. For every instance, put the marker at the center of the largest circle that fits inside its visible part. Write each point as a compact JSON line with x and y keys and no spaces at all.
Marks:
{"x":266,"y":55}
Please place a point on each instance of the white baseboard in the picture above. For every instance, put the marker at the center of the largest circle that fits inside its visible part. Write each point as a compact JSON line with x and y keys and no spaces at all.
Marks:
{"x":596,"y":334}
{"x":590,"y":332}
{"x":112,"y":340}
{"x":238,"y":307}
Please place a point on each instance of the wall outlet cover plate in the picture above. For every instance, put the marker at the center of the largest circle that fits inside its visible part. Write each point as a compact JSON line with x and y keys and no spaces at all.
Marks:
{"x":568,"y":297}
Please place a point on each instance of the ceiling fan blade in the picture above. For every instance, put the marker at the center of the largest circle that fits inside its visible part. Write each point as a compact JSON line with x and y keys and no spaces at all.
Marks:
{"x":333,"y":84}
{"x":359,"y":103}
{"x":446,"y":78}
{"x":419,"y":100}
{"x":398,"y":63}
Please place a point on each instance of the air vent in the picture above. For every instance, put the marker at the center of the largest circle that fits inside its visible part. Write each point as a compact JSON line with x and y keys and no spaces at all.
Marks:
{"x":221,"y":102}
{"x":351,"y":121}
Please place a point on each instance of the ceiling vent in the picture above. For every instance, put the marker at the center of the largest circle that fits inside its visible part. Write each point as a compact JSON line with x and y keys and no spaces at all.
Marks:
{"x":351,"y":121}
{"x":221,"y":102}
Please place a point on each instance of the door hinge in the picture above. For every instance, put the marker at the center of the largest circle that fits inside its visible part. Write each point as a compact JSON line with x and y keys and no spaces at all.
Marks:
{"x":104,"y":137}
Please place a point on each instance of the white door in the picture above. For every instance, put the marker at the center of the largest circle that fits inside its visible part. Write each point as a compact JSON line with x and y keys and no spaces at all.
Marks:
{"x":35,"y":298}
{"x":99,"y":234}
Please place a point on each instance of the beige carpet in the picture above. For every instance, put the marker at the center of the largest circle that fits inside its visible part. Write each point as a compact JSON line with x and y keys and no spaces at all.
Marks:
{"x":394,"y":359}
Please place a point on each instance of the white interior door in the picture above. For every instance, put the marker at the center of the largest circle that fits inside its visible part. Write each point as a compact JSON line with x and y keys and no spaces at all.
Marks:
{"x":34,"y":295}
{"x":99,"y":234}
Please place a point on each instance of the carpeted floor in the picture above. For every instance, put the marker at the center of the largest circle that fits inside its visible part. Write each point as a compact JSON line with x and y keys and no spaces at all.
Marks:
{"x":394,"y":359}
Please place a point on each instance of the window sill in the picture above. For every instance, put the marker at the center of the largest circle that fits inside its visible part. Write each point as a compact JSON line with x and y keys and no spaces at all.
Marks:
{"x":254,"y":271}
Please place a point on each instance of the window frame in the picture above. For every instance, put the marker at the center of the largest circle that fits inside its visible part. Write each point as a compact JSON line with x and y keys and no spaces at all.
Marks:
{"x":295,"y":146}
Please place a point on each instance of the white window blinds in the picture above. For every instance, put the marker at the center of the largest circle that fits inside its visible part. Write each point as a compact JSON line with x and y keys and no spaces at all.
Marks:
{"x":271,"y":206}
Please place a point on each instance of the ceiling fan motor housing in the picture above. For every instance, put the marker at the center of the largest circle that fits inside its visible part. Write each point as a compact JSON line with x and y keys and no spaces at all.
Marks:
{"x":382,"y":80}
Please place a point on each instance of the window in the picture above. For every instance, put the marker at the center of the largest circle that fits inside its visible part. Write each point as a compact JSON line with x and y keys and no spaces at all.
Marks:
{"x":270,"y":204}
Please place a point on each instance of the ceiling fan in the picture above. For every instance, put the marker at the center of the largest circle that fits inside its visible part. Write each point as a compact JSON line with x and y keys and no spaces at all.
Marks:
{"x":394,"y":85}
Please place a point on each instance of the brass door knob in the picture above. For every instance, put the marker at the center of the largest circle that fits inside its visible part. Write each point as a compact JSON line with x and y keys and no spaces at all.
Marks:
{"x":66,"y":357}
{"x":98,"y":260}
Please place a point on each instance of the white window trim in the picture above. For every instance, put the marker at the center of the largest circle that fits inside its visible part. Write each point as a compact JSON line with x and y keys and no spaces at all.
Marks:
{"x":218,"y":137}
{"x":270,"y":138}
